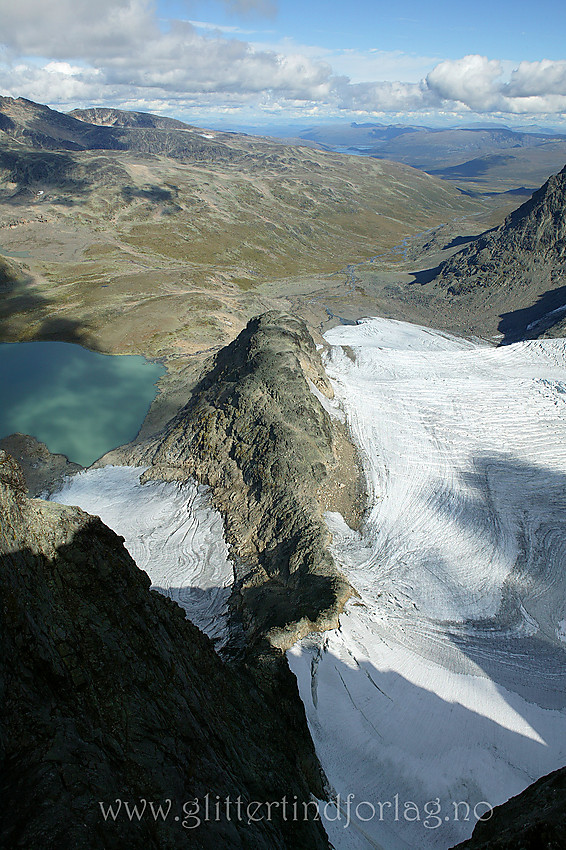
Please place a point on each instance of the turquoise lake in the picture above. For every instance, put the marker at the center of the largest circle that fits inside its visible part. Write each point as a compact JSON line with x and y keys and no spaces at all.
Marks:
{"x":77,"y":402}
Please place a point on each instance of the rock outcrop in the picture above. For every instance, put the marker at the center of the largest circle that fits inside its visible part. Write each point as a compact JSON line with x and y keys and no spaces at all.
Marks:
{"x":534,"y":820}
{"x":43,"y":471}
{"x":524,"y":258}
{"x":108,"y":694}
{"x":255,"y":432}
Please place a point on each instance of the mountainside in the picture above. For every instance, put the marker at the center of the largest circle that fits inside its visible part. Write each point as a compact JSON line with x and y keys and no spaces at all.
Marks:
{"x":43,"y":128}
{"x":523,"y":258}
{"x":109,"y":694}
{"x":107,"y":117}
{"x":166,"y":241}
{"x":129,"y":232}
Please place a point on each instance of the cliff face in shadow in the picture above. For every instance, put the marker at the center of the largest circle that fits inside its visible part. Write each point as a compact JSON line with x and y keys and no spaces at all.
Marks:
{"x":109,"y":694}
{"x":257,"y":435}
{"x":533,"y":820}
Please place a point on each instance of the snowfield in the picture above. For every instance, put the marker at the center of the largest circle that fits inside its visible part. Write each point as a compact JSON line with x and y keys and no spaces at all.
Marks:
{"x":445,"y":685}
{"x":170,"y":530}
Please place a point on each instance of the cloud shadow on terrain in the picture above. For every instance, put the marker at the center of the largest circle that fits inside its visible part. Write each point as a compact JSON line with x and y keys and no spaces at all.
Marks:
{"x":42,"y":169}
{"x":157,"y":194}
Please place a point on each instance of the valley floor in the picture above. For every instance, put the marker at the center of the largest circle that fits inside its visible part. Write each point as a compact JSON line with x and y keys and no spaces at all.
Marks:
{"x":444,"y":684}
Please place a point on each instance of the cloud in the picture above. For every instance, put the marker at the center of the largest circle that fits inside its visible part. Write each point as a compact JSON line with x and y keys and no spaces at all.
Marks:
{"x":477,"y":83}
{"x":472,"y":81}
{"x":383,"y":65}
{"x":118,"y":52}
{"x":71,"y":29}
{"x":231,"y":30}
{"x":385,"y":96}
{"x":122,"y":42}
{"x":538,"y":79}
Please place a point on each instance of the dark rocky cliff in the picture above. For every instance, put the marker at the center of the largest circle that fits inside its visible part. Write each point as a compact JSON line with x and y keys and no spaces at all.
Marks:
{"x":524,"y":260}
{"x":108,"y":693}
{"x":534,"y":820}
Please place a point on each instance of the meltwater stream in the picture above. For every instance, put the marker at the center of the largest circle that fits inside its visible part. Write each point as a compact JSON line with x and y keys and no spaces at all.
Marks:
{"x":443,"y":692}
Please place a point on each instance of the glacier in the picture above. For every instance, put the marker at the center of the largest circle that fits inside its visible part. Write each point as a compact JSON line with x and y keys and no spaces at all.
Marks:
{"x":442,"y":693}
{"x":171,"y":531}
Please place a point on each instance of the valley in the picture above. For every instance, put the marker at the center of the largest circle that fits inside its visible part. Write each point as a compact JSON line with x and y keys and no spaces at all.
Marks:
{"x":352,"y":472}
{"x":167,"y":240}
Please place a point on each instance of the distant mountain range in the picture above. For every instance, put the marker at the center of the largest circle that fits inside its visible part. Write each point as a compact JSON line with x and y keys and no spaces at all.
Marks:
{"x":486,"y":158}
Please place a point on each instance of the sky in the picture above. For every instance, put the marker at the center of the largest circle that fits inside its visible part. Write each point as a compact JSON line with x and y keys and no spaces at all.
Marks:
{"x":263,"y":62}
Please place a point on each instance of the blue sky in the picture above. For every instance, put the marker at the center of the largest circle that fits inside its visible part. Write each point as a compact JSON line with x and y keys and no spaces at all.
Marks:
{"x":265,"y":62}
{"x":500,"y":30}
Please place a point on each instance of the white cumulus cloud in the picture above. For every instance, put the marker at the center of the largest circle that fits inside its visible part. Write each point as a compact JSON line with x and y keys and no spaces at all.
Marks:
{"x":118,"y":52}
{"x":472,"y":80}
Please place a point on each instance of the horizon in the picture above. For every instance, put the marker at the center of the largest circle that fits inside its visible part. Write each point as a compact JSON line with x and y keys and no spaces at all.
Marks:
{"x":287,"y":127}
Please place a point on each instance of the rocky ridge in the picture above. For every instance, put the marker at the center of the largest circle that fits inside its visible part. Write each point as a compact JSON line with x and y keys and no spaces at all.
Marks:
{"x":108,"y":693}
{"x":255,"y":433}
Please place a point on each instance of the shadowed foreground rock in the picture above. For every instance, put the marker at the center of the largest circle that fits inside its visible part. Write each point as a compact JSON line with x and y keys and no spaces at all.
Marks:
{"x":108,"y":693}
{"x":534,"y":820}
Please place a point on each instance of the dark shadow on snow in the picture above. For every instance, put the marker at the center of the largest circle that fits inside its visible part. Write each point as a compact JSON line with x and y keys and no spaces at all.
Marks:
{"x":530,"y":322}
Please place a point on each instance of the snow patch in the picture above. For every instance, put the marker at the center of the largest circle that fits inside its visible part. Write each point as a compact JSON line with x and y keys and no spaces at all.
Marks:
{"x":170,"y":530}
